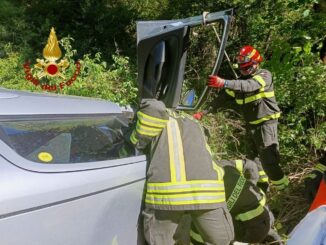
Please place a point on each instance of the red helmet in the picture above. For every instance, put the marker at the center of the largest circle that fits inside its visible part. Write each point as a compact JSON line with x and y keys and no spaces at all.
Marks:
{"x":248,"y":56}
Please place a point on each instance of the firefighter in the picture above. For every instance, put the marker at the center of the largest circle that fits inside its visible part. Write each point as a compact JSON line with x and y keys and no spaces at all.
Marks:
{"x":254,"y":96}
{"x":312,"y":179}
{"x":181,"y":177}
{"x":252,"y":218}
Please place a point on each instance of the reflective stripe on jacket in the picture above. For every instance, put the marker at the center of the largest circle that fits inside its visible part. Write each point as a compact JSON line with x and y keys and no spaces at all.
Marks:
{"x":246,"y":203}
{"x":245,"y":200}
{"x":256,"y":97}
{"x":181,"y":173}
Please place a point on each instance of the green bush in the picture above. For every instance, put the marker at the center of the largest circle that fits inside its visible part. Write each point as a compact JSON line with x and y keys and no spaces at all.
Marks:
{"x":116,"y":83}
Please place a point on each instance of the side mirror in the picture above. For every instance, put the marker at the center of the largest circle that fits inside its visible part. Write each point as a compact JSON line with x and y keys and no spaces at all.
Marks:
{"x":189,"y":98}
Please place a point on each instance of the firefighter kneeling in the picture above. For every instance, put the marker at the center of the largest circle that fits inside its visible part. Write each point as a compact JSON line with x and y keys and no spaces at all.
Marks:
{"x":246,"y":202}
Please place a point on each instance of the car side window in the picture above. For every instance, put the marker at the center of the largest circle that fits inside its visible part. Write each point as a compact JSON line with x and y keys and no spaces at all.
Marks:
{"x":68,"y":140}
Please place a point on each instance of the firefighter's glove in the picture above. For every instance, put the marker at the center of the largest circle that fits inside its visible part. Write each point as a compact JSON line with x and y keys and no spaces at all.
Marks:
{"x":198,"y":115}
{"x":312,"y":181}
{"x":264,"y":186}
{"x":215,"y":82}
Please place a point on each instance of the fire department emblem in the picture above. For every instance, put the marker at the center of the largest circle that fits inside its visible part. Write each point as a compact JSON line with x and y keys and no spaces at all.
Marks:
{"x":51,"y":53}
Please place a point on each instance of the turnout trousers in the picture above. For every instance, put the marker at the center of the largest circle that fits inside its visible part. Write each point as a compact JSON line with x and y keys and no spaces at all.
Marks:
{"x":214,"y":225}
{"x":264,"y":148}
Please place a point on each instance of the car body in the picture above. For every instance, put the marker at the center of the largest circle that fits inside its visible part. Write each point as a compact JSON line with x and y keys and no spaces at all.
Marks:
{"x":57,"y":185}
{"x":68,"y":174}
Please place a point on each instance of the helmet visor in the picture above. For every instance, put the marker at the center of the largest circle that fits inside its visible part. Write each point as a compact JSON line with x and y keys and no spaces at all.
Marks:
{"x":243,"y":59}
{"x":246,"y":65}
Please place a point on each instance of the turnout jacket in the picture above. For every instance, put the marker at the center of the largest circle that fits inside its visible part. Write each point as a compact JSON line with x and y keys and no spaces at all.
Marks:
{"x":181,"y":173}
{"x":254,"y":97}
{"x":245,"y":200}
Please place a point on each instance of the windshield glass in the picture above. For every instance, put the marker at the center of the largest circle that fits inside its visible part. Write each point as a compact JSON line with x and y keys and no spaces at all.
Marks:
{"x":68,"y":140}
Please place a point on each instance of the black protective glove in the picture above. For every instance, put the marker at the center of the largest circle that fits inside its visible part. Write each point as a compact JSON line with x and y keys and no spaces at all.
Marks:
{"x":312,"y":182}
{"x":264,"y":186}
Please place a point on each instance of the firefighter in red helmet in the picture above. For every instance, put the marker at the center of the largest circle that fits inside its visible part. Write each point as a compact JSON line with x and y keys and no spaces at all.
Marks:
{"x":248,"y":60}
{"x":253,"y":95}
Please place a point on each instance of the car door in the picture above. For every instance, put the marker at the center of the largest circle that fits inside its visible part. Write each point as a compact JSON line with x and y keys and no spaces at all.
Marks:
{"x":162,"y":55}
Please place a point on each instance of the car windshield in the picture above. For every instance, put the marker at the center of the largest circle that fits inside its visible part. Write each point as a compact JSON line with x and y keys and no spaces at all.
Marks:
{"x":67,"y":140}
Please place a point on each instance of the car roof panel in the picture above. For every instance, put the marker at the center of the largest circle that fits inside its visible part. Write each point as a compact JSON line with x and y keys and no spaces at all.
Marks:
{"x":14,"y":102}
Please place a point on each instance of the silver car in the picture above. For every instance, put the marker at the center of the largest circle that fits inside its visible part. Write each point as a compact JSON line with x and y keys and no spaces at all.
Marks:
{"x":68,"y":176}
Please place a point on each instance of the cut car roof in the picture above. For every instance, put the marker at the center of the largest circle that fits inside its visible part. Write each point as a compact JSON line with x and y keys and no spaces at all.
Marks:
{"x":14,"y":102}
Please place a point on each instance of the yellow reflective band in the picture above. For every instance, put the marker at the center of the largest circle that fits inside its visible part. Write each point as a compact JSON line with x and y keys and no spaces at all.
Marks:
{"x":195,"y":236}
{"x":177,"y":162}
{"x":133,"y":138}
{"x":191,"y":202}
{"x":255,"y":97}
{"x":281,"y":184}
{"x":230,"y":92}
{"x":208,"y":149}
{"x":186,"y":195}
{"x":141,"y":129}
{"x":182,"y":166}
{"x":262,"y":82}
{"x":262,"y":202}
{"x":186,"y":186}
{"x":171,"y":152}
{"x":188,"y":182}
{"x":223,"y":172}
{"x":262,"y":176}
{"x":216,"y":189}
{"x":235,"y":192}
{"x":151,"y":124}
{"x":252,"y":213}
{"x":143,"y":115}
{"x":185,"y":199}
{"x":239,"y":165}
{"x":262,"y":172}
{"x":151,"y":121}
{"x":252,"y":53}
{"x":263,"y":179}
{"x":269,"y":117}
{"x":320,"y":167}
{"x":219,"y":171}
{"x":146,"y":133}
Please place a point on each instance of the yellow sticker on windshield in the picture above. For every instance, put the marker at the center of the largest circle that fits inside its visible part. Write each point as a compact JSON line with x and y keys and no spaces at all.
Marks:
{"x":45,"y":157}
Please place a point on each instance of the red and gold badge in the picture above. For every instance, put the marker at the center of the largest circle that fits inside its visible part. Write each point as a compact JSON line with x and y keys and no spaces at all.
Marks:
{"x":50,"y":67}
{"x":51,"y":53}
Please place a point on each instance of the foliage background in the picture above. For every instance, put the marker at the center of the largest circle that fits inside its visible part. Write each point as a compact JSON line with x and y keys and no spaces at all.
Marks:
{"x":102,"y":35}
